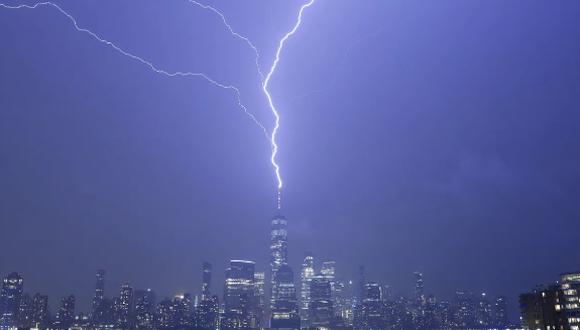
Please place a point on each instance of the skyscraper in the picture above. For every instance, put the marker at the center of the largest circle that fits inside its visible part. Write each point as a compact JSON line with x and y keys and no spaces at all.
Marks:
{"x":144,"y":309}
{"x":10,"y":297}
{"x":361,"y":284}
{"x":205,"y":279}
{"x":207,"y":313}
{"x":543,"y":308}
{"x":464,"y":310}
{"x":66,"y":313}
{"x":306,"y":276}
{"x":124,"y":308}
{"x":285,"y":311}
{"x":40,"y":312}
{"x":99,"y":290}
{"x":278,"y":253}
{"x":419,"y":288}
{"x":183,"y":310}
{"x":483,"y":312}
{"x":260,"y":292}
{"x":239,"y":299}
{"x":500,"y":318}
{"x":25,"y":312}
{"x":164,"y":315}
{"x":570,"y":286}
{"x":372,"y":309}
{"x":321,"y":309}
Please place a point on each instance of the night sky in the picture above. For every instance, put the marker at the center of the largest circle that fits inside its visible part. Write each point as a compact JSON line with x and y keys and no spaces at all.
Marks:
{"x":439,"y":136}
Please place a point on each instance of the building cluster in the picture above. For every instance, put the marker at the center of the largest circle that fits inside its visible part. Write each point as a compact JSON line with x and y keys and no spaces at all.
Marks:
{"x":318,"y":297}
{"x":553,"y":307}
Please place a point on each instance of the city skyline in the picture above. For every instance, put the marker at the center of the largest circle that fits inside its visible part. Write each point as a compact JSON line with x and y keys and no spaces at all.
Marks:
{"x":330,"y":300}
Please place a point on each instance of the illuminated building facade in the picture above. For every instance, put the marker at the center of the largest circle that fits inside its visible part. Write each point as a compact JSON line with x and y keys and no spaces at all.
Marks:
{"x":542,"y":309}
{"x":278,"y":253}
{"x":99,"y":290}
{"x":66,"y":313}
{"x":144,"y":309}
{"x":164,"y":315}
{"x":40,"y":312}
{"x":25,"y":311}
{"x":124,"y":307}
{"x":206,"y":271}
{"x":371,"y":314}
{"x":321,"y":309}
{"x":12,"y":288}
{"x":285,"y":312}
{"x":207,"y":312}
{"x":239,"y":296}
{"x":500,"y":315}
{"x":260,"y":293}
{"x":306,"y":276}
{"x":570,"y":286}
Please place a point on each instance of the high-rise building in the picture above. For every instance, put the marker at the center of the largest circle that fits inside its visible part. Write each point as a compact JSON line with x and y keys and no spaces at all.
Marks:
{"x":500,"y":316}
{"x":464,"y":310}
{"x":66,"y":313}
{"x":105,"y":315}
{"x":260,"y":292}
{"x":328,"y":270}
{"x":144,"y":309}
{"x":419,"y":288}
{"x":321,"y":309}
{"x":239,"y":296}
{"x":164,"y":315}
{"x":483,"y":312}
{"x":207,"y":312}
{"x":361,"y":284}
{"x":25,"y":311}
{"x":570,"y":287}
{"x":40,"y":312}
{"x":543,"y":308}
{"x":285,"y":312}
{"x":306,"y":276}
{"x":124,"y":307}
{"x":338,"y":291}
{"x":345,"y":293}
{"x":183,"y":310}
{"x":206,"y":270}
{"x":278,"y":253}
{"x":371,"y":315}
{"x":12,"y":288}
{"x":99,"y":290}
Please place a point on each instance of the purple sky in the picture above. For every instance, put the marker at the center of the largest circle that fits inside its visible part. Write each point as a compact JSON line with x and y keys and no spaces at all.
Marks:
{"x":436,"y":136}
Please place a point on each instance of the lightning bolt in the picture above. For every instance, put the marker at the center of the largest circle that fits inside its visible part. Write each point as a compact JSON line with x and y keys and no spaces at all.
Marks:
{"x":265,"y":86}
{"x":148,"y":64}
{"x":265,"y":79}
{"x":234,"y":33}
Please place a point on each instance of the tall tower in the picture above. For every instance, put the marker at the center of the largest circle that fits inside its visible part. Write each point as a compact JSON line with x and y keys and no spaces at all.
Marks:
{"x":278,"y":253}
{"x":66,"y":313}
{"x":239,"y":296}
{"x":305,"y":278}
{"x":10,"y":297}
{"x":207,"y":313}
{"x":125,"y":307}
{"x":205,"y":280}
{"x":285,"y":312}
{"x":321,"y":309}
{"x":99,"y":290}
{"x":40,"y":314}
{"x":419,"y":288}
{"x":144,"y":309}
